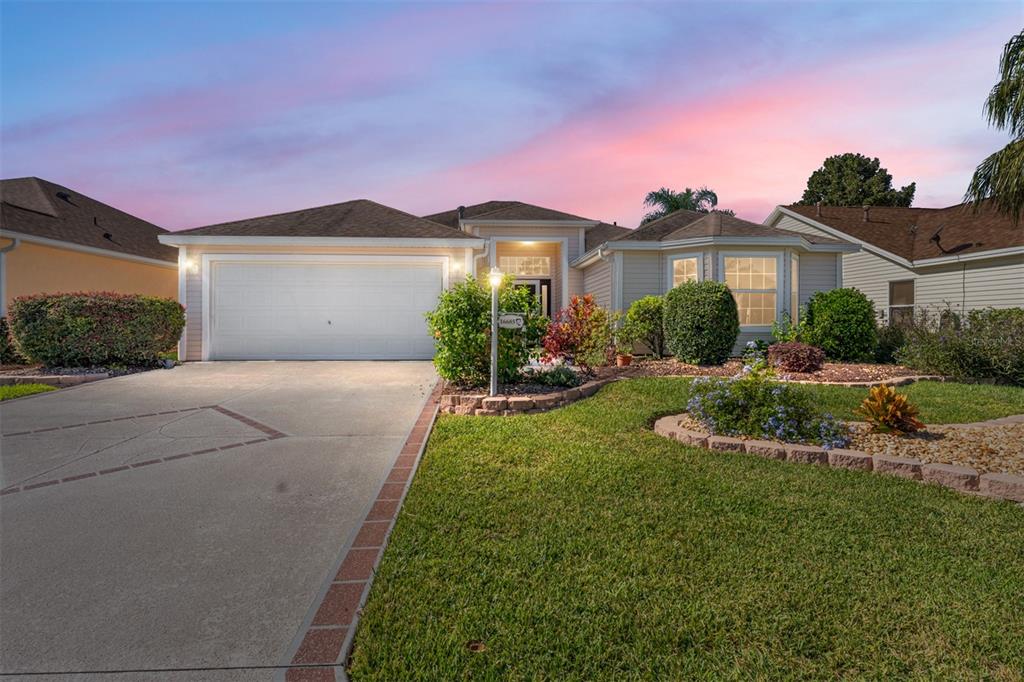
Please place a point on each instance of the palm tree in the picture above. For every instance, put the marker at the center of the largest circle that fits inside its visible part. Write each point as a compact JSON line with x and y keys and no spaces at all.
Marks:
{"x":665,"y":201}
{"x":1001,"y":176}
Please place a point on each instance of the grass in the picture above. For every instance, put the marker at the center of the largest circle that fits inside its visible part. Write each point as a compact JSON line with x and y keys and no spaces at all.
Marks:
{"x":940,"y":402}
{"x":22,"y":390}
{"x":578,"y":545}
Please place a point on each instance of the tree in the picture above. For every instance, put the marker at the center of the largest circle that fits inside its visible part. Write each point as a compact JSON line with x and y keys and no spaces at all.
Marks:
{"x":855,"y":180}
{"x":1001,"y":176}
{"x":665,"y":201}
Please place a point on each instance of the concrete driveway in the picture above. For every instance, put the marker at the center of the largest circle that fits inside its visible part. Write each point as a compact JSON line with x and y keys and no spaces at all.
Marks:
{"x":202,"y":566}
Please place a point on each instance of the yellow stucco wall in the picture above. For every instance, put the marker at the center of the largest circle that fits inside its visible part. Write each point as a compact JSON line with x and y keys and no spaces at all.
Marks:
{"x":36,"y":269}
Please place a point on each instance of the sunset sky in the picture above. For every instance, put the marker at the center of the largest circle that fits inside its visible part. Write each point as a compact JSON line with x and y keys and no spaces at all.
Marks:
{"x":187,"y":114}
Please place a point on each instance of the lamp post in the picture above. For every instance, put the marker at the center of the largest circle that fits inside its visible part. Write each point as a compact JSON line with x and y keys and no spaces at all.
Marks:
{"x":494,"y":276}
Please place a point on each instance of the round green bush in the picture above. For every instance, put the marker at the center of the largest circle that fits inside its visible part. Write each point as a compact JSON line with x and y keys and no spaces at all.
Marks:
{"x":701,"y":322}
{"x":645,"y":321}
{"x":841,"y":322}
{"x":461,"y":325}
{"x":95,"y":329}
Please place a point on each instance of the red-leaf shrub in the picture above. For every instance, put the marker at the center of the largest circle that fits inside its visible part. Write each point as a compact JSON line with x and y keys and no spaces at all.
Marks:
{"x":580,"y":333}
{"x":794,"y":356}
{"x":95,"y":328}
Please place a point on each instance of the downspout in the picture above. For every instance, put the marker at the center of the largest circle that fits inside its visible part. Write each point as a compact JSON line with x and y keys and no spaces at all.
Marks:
{"x":3,"y":274}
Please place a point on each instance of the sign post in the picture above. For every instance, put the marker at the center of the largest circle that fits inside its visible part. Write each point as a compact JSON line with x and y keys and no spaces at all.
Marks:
{"x":495,"y":277}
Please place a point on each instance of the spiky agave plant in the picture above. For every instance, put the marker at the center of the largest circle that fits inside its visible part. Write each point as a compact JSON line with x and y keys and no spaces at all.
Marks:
{"x":888,"y":411}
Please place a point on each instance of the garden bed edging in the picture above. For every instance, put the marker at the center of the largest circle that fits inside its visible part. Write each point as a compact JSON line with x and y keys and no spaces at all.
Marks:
{"x":482,"y":405}
{"x":962,"y":479}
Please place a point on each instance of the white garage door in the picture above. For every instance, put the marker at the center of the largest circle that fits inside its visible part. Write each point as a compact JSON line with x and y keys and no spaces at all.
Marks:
{"x":352,"y":310}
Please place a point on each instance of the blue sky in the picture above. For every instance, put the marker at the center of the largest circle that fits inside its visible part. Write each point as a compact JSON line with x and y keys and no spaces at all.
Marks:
{"x":191,"y":113}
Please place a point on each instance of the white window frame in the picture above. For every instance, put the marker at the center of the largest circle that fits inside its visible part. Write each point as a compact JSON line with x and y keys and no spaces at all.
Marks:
{"x":780,"y":279}
{"x":670,"y":271}
{"x":888,"y":293}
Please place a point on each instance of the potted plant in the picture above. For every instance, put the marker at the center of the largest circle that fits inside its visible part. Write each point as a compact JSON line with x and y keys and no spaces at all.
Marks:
{"x":625,"y":337}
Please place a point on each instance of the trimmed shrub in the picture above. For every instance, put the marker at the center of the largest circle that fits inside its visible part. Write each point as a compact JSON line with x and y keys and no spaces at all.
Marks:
{"x":645,"y":322}
{"x":461,"y":326}
{"x":95,"y":329}
{"x":701,"y":322}
{"x":581,"y":333}
{"x":559,"y":375}
{"x":987,"y":344}
{"x":841,"y":322}
{"x":9,"y":354}
{"x":751,"y":404}
{"x":794,"y":356}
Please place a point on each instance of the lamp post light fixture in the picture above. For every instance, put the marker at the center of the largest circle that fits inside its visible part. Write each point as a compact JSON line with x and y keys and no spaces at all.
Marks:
{"x":494,"y":277}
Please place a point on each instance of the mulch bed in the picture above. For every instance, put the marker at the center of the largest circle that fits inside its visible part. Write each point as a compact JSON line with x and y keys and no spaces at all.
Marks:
{"x":39,"y":370}
{"x":830,"y":372}
{"x":535,"y":389}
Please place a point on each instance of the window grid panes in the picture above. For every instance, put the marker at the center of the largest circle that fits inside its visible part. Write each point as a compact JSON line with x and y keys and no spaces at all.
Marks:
{"x":526,"y":266}
{"x":684,"y":270}
{"x":753,"y":280}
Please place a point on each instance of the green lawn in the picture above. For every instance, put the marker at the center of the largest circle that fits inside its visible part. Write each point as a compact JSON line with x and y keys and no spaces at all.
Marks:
{"x":20,"y":390}
{"x":578,"y":545}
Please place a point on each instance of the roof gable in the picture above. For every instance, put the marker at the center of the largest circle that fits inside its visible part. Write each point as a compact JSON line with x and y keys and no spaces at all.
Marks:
{"x":356,"y":218}
{"x":39,"y":208}
{"x":504,"y":210}
{"x":685,"y":224}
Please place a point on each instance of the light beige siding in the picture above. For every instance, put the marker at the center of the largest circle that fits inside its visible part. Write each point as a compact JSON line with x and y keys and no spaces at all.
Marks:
{"x":786,"y":222}
{"x":996,"y":283}
{"x":526,"y":232}
{"x":642,"y":275}
{"x":597,"y":281}
{"x":817,"y":272}
{"x":194,"y":277}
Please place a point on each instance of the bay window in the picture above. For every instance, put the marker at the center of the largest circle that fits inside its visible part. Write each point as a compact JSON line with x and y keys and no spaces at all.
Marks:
{"x":684,"y":269}
{"x":754,"y":283}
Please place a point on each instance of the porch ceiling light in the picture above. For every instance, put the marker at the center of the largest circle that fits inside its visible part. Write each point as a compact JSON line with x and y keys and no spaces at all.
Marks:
{"x":494,"y":277}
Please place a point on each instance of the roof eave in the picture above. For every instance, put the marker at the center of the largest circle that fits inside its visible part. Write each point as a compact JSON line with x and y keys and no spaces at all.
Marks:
{"x":839,"y":234}
{"x":173,"y":239}
{"x":82,"y":248}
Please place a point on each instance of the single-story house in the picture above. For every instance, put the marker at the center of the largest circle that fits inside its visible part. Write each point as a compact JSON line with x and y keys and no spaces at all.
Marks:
{"x":914,"y":258}
{"x":53,"y":239}
{"x":353,"y":280}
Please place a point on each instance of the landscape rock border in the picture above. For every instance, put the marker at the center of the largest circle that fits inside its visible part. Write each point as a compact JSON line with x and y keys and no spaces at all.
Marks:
{"x":482,"y":405}
{"x":962,"y":479}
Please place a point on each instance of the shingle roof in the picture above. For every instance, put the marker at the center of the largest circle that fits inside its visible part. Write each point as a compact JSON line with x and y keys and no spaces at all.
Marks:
{"x":503,"y":210}
{"x":356,"y":218}
{"x":908,"y":232}
{"x":40,"y":208}
{"x":603,"y":232}
{"x":684,"y":224}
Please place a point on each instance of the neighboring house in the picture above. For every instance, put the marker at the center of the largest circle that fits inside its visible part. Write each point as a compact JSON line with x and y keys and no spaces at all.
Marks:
{"x":53,"y":239}
{"x":770,"y":271}
{"x":921,"y":258}
{"x":353,"y":280}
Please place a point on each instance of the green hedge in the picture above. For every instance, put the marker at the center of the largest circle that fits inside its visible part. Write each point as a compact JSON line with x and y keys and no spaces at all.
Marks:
{"x":841,"y":322}
{"x":645,"y":321}
{"x":701,"y":322}
{"x":9,"y":355}
{"x":95,"y":328}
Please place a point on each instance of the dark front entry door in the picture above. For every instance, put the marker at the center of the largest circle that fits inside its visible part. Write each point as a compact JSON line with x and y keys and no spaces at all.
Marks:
{"x":541,"y":289}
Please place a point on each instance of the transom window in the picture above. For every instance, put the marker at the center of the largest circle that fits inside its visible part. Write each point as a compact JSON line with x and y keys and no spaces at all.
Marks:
{"x":754,"y":283}
{"x":685,"y":270}
{"x":526,"y":266}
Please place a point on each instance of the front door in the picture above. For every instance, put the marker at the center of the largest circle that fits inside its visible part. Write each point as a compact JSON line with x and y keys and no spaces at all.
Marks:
{"x":541,"y":289}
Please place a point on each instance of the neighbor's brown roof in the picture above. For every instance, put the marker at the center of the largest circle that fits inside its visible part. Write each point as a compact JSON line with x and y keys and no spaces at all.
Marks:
{"x":502,"y":210}
{"x":603,"y":232}
{"x":357,"y":218}
{"x":908,"y":232}
{"x":32,"y":206}
{"x":684,"y":224}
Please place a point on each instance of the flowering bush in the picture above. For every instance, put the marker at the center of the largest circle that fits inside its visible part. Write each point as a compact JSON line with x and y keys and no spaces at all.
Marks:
{"x":581,"y":333}
{"x":95,"y":328}
{"x":794,"y":356}
{"x":752,"y":404}
{"x":559,"y":375}
{"x":461,"y":327}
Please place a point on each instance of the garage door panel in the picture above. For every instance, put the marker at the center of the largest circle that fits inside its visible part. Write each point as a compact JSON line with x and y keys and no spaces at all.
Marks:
{"x":345,"y":310}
